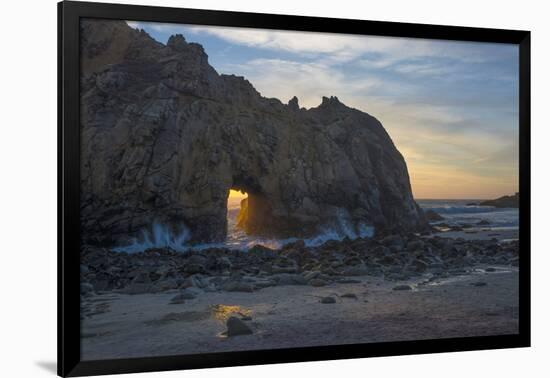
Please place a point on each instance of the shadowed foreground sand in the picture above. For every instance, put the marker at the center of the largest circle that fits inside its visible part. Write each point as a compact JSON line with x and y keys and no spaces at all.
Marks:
{"x":369,"y":310}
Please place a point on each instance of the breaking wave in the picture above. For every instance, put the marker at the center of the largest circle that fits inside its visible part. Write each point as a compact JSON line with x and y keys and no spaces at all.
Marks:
{"x":162,"y":236}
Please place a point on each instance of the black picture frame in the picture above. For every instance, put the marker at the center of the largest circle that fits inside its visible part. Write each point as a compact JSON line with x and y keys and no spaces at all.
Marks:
{"x":69,"y":14}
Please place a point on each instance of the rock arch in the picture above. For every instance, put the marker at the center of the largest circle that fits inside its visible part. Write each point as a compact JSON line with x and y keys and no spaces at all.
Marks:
{"x":164,"y":138}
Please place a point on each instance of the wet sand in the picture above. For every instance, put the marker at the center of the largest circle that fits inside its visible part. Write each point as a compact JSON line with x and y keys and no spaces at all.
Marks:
{"x":475,"y":304}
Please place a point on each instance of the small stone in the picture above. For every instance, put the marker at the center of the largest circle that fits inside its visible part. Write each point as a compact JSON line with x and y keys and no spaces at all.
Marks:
{"x":182,"y":296}
{"x":236,"y":327}
{"x":402,"y":287}
{"x":194,"y":268}
{"x":328,"y":300}
{"x":348,"y":281}
{"x":311,"y":275}
{"x":357,"y":270}
{"x":479,"y":284}
{"x":86,"y":288}
{"x":84,"y":269}
{"x":349,"y":295}
{"x":490,"y":269}
{"x":317,"y":282}
{"x":415,"y":245}
{"x":238,"y":286}
{"x":193,"y":281}
{"x":290,"y":279}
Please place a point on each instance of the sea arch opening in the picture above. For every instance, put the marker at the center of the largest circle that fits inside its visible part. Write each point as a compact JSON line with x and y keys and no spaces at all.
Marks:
{"x":237,"y":208}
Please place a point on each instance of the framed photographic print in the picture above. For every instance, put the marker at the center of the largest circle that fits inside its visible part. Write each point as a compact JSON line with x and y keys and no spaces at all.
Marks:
{"x":239,"y":188}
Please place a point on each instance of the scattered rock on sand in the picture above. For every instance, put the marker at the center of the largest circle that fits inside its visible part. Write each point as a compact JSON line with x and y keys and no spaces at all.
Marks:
{"x":490,"y":269}
{"x":328,"y":300}
{"x":236,"y":327}
{"x":402,"y":287}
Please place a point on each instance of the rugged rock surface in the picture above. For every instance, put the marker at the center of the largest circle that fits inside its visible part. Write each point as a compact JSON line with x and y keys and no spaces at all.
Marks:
{"x":504,"y":201}
{"x":398,"y":258}
{"x":432,"y":216}
{"x":164,"y":137}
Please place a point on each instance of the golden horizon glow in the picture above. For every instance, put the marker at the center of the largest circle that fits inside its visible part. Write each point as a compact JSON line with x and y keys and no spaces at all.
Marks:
{"x":236,"y":194}
{"x":447,"y":183}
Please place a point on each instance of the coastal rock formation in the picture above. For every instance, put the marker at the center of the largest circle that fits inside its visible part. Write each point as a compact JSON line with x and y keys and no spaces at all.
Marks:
{"x":503,"y":202}
{"x":164,"y":138}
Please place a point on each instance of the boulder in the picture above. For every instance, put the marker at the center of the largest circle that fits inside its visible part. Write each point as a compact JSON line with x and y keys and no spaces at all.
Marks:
{"x":236,"y":327}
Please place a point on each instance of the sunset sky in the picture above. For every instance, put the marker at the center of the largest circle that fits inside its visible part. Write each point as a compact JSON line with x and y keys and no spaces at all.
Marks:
{"x":451,"y":108}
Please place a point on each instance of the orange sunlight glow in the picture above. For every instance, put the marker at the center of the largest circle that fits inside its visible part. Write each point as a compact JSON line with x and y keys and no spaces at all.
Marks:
{"x":236,"y":194}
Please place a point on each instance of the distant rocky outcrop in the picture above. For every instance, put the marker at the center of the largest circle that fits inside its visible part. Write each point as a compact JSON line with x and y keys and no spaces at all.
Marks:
{"x":432,"y":216}
{"x":504,"y":201}
{"x":164,"y":137}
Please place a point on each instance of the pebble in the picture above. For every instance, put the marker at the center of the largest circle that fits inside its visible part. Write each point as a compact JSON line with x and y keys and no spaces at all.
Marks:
{"x":317,"y":282}
{"x":182,"y":296}
{"x":328,"y":300}
{"x":479,"y":284}
{"x":402,"y":287}
{"x":349,"y":295}
{"x":238,"y":286}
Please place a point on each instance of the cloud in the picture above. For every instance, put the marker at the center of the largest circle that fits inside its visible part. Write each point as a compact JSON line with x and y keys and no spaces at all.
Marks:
{"x":309,"y":81}
{"x":332,"y":48}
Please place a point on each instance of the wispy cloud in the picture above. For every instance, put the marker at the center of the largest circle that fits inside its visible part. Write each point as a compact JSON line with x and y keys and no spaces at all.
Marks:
{"x":309,"y":81}
{"x":334,"y":48}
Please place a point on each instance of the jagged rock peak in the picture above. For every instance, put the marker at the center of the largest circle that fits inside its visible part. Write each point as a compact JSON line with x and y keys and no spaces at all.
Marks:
{"x":293,"y":103}
{"x":330,"y":101}
{"x":177,"y":42}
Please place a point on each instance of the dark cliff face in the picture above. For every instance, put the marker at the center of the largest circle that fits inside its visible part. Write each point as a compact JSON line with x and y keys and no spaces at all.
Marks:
{"x":164,"y":137}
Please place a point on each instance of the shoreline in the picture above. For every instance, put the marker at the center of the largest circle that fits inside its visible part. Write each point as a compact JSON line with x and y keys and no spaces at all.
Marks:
{"x":395,"y":287}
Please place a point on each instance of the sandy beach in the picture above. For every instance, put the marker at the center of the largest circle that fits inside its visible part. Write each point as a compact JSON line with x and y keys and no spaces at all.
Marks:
{"x":471,"y":299}
{"x":369,"y":311}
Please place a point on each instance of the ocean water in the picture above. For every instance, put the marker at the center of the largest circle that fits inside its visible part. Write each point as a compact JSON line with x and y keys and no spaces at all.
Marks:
{"x":455,"y":212}
{"x":462,"y":212}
